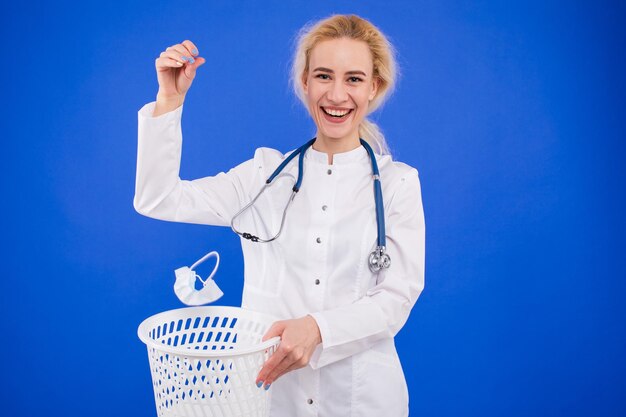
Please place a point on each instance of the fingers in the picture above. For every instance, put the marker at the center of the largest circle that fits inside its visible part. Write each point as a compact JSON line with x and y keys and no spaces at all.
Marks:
{"x":276,"y":329}
{"x":285,"y":359}
{"x":200,"y":61}
{"x":274,"y":360}
{"x":187,"y":51}
{"x":191,"y":48}
{"x":293,"y":367}
{"x":280,"y":369}
{"x":176,"y":56}
{"x":168,"y":61}
{"x":295,"y":359}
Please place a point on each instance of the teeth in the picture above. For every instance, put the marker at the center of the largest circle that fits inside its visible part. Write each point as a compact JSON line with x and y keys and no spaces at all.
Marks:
{"x":336,"y":112}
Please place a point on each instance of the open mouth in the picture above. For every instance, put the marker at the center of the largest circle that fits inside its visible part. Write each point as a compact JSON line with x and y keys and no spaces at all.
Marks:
{"x":337,"y":114}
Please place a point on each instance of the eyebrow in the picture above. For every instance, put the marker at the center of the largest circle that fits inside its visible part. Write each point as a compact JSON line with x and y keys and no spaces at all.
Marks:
{"x":332,"y":72}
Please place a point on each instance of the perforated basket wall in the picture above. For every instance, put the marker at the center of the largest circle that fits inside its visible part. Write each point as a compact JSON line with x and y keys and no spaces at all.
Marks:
{"x":204,"y":361}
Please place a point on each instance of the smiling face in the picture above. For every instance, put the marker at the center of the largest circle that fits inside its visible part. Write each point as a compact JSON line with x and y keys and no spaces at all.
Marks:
{"x":338,"y":88}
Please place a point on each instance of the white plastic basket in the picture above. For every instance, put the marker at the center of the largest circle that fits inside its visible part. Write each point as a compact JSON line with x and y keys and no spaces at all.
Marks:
{"x":204,"y":361}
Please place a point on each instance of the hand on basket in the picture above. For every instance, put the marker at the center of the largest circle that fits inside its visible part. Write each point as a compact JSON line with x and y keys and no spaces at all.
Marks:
{"x":298,"y":340}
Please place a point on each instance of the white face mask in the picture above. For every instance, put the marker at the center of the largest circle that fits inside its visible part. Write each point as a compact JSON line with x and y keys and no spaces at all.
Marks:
{"x":185,"y":285}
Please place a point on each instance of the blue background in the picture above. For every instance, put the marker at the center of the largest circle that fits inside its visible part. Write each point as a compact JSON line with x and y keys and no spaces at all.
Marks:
{"x":513,"y":112}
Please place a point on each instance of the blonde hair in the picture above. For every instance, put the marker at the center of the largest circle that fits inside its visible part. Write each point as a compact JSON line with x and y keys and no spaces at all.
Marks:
{"x":383,"y":57}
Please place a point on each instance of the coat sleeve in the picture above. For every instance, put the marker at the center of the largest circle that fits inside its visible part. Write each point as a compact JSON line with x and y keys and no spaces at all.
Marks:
{"x":159,"y":191}
{"x":385,"y":307}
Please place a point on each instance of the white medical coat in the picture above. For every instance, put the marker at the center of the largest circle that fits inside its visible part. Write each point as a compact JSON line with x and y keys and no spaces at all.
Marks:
{"x":318,"y":265}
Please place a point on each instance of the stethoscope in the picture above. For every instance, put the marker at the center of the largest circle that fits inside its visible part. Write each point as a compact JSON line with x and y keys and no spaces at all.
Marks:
{"x":378,"y":259}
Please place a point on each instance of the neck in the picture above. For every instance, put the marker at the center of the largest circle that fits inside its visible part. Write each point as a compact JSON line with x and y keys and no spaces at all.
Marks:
{"x":332,"y":146}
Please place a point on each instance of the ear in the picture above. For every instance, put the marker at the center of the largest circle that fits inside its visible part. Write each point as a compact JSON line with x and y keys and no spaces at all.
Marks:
{"x":305,"y":86}
{"x":375,"y":83}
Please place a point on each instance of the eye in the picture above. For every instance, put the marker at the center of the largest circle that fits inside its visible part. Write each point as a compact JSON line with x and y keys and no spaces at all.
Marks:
{"x":355,"y":79}
{"x":322,"y":75}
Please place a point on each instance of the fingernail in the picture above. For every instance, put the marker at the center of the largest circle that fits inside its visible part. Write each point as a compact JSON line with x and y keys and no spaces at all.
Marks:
{"x":184,"y":58}
{"x":192,"y":60}
{"x":259,"y":384}
{"x":195,"y":51}
{"x":267,"y":387}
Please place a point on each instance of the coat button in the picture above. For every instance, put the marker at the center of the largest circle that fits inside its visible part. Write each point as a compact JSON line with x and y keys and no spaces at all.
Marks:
{"x":330,"y":171}
{"x":318,"y":240}
{"x":317,"y":282}
{"x":324,"y":207}
{"x":309,"y":401}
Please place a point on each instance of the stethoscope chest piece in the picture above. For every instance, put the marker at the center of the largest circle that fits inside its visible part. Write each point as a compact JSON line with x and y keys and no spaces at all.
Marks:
{"x":379,"y":259}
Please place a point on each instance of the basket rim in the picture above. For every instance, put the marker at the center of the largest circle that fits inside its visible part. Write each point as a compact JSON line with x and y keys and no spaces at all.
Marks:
{"x":142,"y":333}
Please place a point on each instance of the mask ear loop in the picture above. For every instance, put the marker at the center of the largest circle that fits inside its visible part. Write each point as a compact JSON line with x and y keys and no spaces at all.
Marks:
{"x":204,"y":258}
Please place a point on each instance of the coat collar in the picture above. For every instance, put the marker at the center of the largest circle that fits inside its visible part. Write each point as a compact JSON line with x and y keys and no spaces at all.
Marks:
{"x":356,"y":155}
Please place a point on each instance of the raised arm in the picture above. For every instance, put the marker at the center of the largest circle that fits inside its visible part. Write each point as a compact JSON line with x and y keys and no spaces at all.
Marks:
{"x":159,"y":191}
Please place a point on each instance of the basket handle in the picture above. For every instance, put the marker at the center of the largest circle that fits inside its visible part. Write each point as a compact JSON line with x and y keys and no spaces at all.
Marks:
{"x":270,"y":342}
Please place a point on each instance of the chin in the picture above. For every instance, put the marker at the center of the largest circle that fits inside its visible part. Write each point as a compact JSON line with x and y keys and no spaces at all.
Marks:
{"x":338,"y":137}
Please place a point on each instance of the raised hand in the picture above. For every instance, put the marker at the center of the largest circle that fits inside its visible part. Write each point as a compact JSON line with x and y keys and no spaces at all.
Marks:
{"x":176,"y":69}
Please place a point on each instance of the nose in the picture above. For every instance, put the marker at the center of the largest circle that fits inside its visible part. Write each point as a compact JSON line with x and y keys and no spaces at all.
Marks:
{"x":337,"y":92}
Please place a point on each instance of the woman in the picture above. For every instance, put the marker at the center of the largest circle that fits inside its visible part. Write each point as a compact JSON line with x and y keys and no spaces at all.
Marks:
{"x":337,"y":355}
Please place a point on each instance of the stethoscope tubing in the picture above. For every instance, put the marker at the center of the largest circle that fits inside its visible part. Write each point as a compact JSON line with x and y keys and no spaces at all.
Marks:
{"x":378,"y":196}
{"x":378,"y":259}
